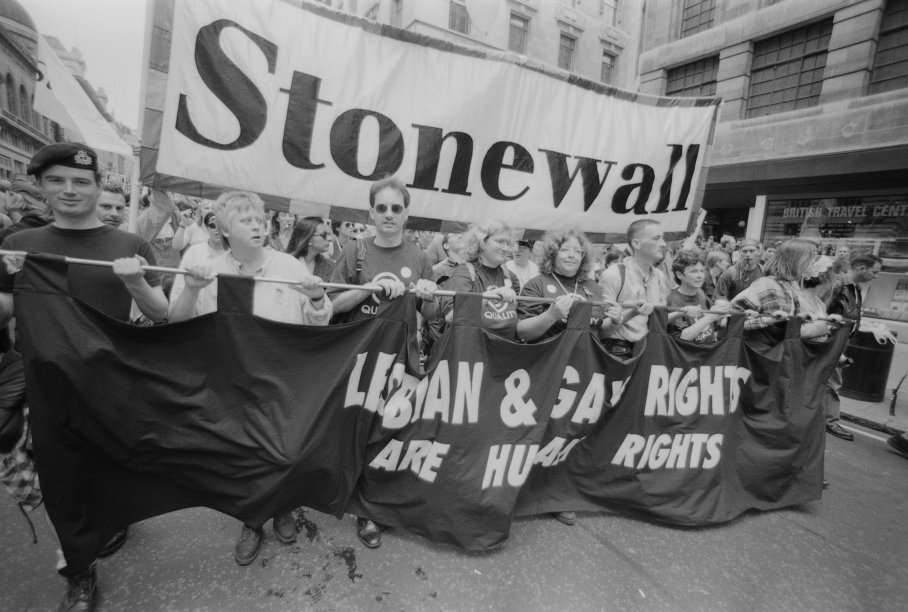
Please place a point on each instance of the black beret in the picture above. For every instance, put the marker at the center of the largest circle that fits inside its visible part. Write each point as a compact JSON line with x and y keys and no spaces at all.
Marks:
{"x":69,"y":154}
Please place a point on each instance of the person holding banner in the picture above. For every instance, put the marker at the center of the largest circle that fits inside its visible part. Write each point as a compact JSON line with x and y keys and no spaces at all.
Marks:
{"x":383,"y":263}
{"x":487,"y":250}
{"x":199,"y":254}
{"x":779,"y":294}
{"x":310,"y":242}
{"x":565,"y":277}
{"x":637,"y":285}
{"x":68,"y":175}
{"x":241,"y":222}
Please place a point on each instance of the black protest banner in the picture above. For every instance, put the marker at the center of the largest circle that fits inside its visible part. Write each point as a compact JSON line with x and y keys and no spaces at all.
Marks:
{"x":250,"y":417}
{"x":227,"y":410}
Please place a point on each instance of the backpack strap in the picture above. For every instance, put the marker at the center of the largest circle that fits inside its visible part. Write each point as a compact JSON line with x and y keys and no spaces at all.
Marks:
{"x":360,"y":256}
{"x":471,"y":270}
{"x":622,"y":275}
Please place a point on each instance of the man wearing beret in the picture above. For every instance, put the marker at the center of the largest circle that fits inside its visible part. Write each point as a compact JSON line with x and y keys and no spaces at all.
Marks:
{"x":67,"y":174}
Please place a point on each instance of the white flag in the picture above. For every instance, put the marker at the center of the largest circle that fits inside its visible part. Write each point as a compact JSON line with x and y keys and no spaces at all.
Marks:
{"x":59,"y":97}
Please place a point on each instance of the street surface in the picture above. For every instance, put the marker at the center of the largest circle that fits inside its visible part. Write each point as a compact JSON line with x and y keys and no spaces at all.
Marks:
{"x":845,"y":552}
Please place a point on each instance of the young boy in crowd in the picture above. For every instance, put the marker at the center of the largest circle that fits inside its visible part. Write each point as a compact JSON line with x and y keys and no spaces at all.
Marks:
{"x":690,"y":323}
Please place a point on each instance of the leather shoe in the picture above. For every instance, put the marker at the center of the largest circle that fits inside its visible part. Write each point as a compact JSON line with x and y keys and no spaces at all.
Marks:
{"x":81,"y":592}
{"x":285,"y":527}
{"x":368,"y":533}
{"x":568,"y":518}
{"x":248,"y":545}
{"x":899,"y":442}
{"x":840,"y":432}
{"x":114,"y":544}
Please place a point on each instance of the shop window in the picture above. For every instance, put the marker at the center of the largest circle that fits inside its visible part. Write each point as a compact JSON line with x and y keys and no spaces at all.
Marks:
{"x":566,"y":47}
{"x":517,"y":36}
{"x":458,"y":19}
{"x":787,"y":71}
{"x":890,"y":66}
{"x":696,"y":16}
{"x":694,"y":79}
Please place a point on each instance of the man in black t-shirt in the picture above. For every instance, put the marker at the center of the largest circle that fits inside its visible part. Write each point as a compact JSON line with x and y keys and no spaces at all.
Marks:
{"x":385,"y":264}
{"x":68,"y":175}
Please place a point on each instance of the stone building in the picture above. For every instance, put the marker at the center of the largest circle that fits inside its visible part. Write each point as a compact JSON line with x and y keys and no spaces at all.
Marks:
{"x":813,"y":134}
{"x":22,"y":131}
{"x":596,"y":39}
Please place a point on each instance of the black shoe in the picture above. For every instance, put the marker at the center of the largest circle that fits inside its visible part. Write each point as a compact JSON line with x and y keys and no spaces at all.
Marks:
{"x":368,"y":533}
{"x":285,"y":527}
{"x":114,"y":544}
{"x":568,"y":518}
{"x":899,"y":442}
{"x":248,"y":545}
{"x":81,"y":592}
{"x":840,"y":432}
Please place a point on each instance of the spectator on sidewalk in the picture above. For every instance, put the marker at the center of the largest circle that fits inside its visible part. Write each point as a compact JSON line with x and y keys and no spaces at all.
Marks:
{"x":847,"y":301}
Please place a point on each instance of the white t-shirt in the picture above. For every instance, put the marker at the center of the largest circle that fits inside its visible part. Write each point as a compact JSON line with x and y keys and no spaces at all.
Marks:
{"x":523,"y":274}
{"x":275,"y":301}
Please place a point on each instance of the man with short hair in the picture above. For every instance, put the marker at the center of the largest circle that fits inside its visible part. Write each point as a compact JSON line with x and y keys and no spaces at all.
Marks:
{"x":523,"y":266}
{"x":638,"y":281}
{"x":389,"y":263}
{"x":241,"y":222}
{"x":67,"y":174}
{"x":112,"y":206}
{"x":717,"y":262}
{"x":741,"y":275}
{"x":847,"y":301}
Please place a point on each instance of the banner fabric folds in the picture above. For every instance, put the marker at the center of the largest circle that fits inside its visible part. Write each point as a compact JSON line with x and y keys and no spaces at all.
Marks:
{"x":251,"y":417}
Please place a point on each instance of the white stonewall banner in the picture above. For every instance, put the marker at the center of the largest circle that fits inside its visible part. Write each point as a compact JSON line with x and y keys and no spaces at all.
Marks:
{"x":308,"y":106}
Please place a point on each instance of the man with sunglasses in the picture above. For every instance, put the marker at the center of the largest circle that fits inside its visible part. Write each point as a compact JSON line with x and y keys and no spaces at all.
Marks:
{"x":391,"y":264}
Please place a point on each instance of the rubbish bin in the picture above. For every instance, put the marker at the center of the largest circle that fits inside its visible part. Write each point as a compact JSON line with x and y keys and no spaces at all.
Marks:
{"x":865,"y":379}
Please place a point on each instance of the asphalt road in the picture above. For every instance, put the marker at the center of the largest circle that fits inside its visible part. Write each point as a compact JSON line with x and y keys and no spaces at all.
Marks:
{"x":845,"y":552}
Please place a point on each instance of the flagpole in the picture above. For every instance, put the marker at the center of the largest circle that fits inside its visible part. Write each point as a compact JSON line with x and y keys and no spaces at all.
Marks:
{"x":375,"y":289}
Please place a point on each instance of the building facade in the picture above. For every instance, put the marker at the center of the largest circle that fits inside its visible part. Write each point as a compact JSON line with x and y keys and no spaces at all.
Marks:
{"x":813,"y":134}
{"x":596,"y":39}
{"x":22,"y":131}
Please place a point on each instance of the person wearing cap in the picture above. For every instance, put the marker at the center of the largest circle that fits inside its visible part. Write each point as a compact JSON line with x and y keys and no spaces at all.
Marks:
{"x":68,"y":176}
{"x":523,"y":266}
{"x":742,"y":274}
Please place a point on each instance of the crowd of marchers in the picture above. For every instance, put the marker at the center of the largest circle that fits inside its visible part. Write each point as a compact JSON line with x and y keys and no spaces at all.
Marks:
{"x":529,"y":287}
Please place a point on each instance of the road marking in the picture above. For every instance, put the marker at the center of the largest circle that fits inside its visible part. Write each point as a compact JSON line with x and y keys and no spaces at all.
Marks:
{"x":864,"y":433}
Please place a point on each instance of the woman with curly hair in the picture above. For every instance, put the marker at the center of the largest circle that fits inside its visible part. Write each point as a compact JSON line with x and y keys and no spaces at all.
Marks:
{"x":309,"y":242}
{"x":487,"y":247}
{"x":564,"y":275}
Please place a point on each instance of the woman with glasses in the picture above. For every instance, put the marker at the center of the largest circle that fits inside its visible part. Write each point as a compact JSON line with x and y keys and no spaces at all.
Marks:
{"x":199,"y":254}
{"x":487,"y":248}
{"x":309,"y":242}
{"x":567,"y":260}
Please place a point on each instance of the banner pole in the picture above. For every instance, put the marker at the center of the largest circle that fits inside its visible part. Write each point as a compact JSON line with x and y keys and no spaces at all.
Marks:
{"x":327,"y":285}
